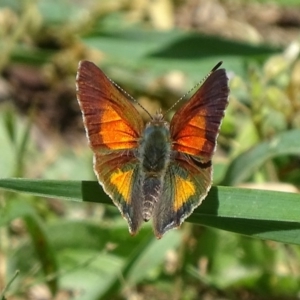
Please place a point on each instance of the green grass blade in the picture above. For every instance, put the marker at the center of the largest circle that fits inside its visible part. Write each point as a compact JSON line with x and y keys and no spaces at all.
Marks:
{"x":40,"y":240}
{"x":89,"y":191}
{"x":2,"y":295}
{"x":242,"y":167}
{"x":149,"y":254}
{"x":43,"y":249}
{"x":263,"y":214}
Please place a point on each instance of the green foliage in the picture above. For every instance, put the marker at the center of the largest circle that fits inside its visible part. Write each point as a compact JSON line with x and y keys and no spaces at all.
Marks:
{"x":244,"y":166}
{"x":249,"y":241}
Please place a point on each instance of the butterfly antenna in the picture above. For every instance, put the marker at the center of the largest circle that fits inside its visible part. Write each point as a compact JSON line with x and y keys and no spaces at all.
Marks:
{"x":130,"y":97}
{"x":216,"y":67}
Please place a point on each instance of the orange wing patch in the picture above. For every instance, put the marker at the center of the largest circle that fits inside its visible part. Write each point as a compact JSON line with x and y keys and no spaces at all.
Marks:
{"x":184,"y":189}
{"x":114,"y":133}
{"x":192,"y":137}
{"x":122,"y":181}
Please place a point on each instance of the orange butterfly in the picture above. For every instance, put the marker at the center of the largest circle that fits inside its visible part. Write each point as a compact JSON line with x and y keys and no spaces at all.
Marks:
{"x":161,"y":171}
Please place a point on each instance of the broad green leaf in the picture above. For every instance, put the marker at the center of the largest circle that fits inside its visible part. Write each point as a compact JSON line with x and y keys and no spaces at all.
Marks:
{"x":243,"y":166}
{"x":160,"y":52}
{"x":262,"y":214}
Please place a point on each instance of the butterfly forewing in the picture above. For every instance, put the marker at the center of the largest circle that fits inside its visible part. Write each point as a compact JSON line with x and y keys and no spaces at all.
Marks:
{"x":195,"y":127}
{"x":111,"y":121}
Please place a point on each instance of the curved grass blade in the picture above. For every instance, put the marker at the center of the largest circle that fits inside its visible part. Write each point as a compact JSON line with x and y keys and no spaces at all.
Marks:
{"x":243,"y":166}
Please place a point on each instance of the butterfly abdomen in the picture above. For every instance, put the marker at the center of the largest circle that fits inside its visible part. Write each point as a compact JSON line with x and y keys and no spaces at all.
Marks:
{"x":152,"y":191}
{"x":154,"y":155}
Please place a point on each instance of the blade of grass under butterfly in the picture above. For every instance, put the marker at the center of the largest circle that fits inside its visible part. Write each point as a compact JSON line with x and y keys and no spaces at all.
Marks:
{"x":263,"y":214}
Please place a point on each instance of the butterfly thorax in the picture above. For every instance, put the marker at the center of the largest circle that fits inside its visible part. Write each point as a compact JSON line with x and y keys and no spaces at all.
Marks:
{"x":155,"y":147}
{"x":154,"y":155}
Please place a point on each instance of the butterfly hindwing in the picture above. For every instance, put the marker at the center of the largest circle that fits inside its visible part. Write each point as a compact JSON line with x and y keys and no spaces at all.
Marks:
{"x":119,"y":176}
{"x":186,"y":184}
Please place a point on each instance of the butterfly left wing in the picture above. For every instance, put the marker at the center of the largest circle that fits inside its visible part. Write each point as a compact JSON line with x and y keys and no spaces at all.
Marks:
{"x":194,"y":130}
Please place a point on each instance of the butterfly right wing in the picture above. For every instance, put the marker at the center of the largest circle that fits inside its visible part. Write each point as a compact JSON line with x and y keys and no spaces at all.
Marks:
{"x":113,"y":127}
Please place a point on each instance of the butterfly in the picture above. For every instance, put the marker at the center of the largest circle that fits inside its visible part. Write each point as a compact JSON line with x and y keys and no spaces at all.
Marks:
{"x":160,"y":171}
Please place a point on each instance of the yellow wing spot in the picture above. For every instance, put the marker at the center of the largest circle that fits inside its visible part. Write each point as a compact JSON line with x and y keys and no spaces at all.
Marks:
{"x":122,"y":181}
{"x":183,"y":190}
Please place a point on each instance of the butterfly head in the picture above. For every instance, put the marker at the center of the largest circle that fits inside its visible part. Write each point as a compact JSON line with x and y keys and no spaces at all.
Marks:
{"x":157,"y":120}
